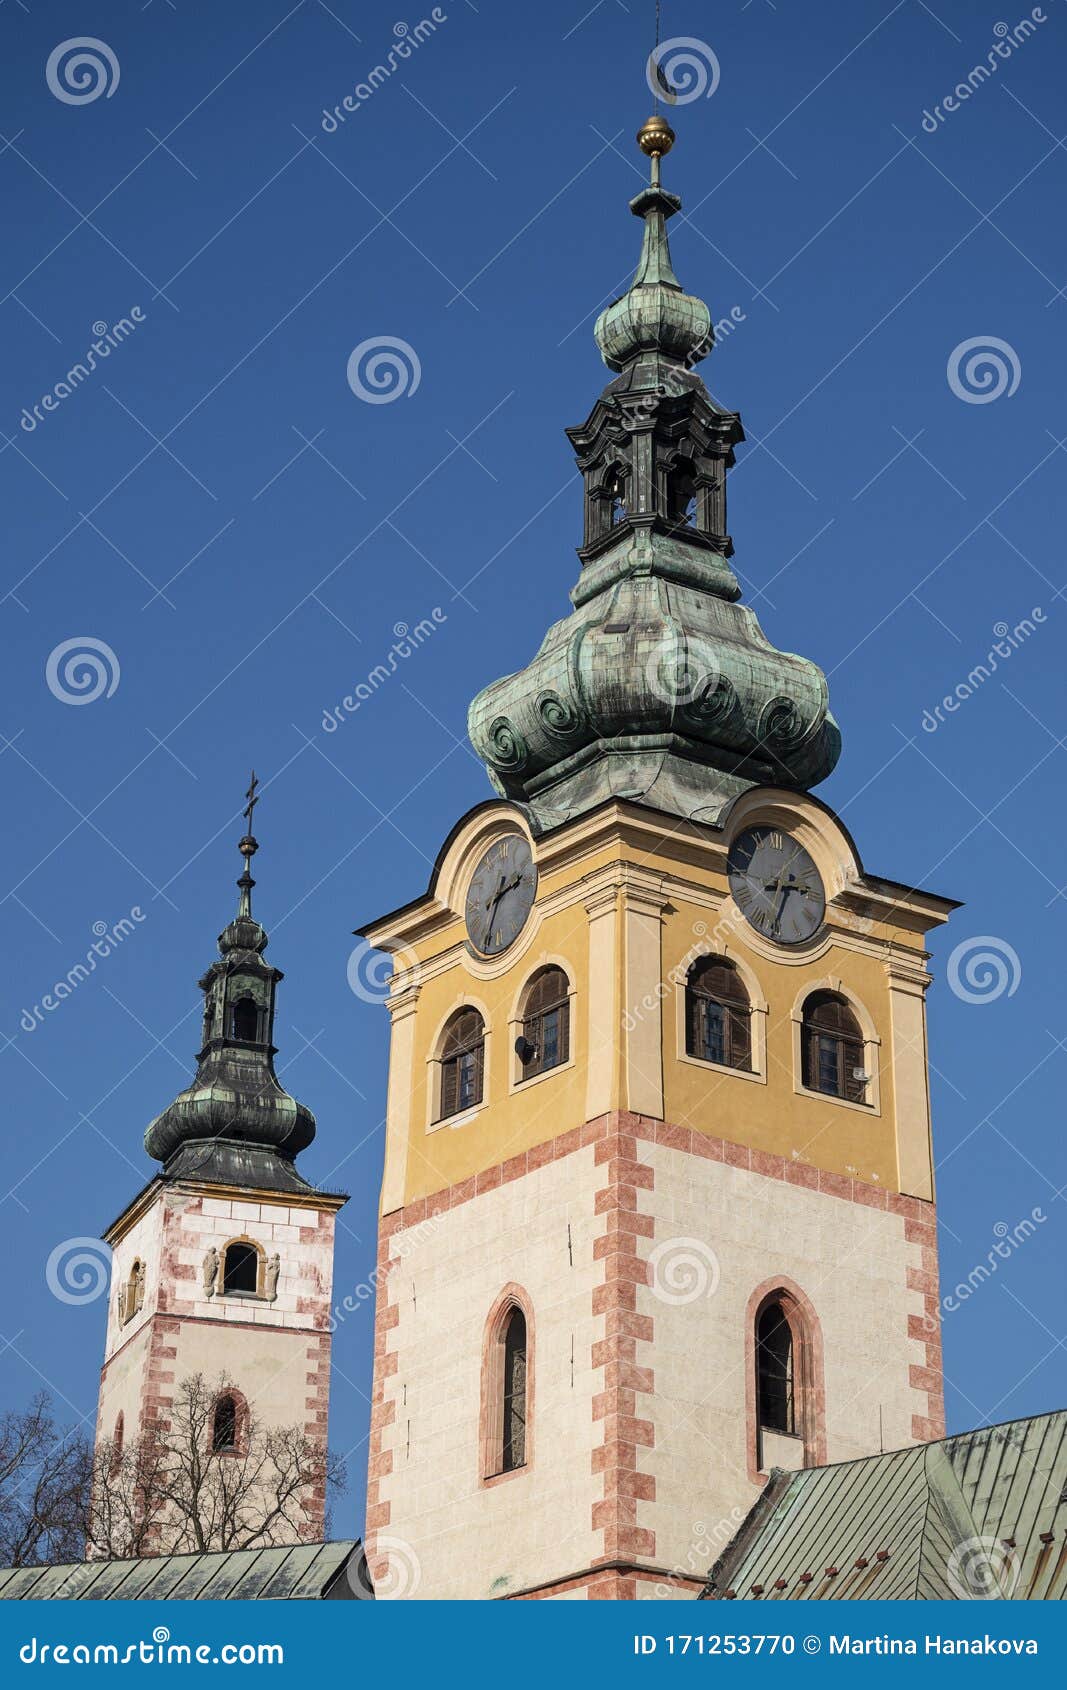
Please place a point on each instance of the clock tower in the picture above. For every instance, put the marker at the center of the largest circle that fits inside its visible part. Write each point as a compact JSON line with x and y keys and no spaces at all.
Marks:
{"x":657,"y":1210}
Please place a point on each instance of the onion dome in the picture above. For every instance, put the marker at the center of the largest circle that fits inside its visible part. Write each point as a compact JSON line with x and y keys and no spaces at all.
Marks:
{"x":655,"y":314}
{"x":659,"y":687}
{"x":236,"y":1124}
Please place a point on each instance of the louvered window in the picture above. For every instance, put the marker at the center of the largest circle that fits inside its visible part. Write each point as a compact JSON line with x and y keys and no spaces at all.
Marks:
{"x":832,"y":1049}
{"x":718,"y":1014}
{"x":774,"y":1370}
{"x":546,"y":1030}
{"x":514,"y":1382}
{"x":462,"y":1063}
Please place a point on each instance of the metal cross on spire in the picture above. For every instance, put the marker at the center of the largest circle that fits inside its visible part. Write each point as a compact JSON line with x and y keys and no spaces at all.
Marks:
{"x":248,"y":846}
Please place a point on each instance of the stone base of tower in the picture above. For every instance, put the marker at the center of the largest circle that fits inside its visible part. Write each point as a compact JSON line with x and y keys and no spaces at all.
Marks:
{"x":643,"y":1252}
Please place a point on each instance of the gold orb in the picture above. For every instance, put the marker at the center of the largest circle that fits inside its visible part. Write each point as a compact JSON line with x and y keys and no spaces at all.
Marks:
{"x":655,"y":136}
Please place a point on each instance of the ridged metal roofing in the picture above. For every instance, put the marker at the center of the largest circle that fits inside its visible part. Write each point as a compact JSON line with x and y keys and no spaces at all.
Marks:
{"x":304,"y":1571}
{"x":981,"y":1514}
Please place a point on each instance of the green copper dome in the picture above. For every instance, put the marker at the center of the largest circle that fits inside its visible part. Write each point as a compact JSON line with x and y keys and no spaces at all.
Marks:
{"x":659,"y":686}
{"x":236,"y":1124}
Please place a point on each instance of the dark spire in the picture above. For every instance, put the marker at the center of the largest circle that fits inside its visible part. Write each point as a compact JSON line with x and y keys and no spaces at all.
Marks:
{"x":659,"y":686}
{"x":236,"y":1125}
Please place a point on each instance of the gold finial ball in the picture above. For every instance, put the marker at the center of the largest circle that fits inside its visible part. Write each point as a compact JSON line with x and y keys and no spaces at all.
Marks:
{"x":248,"y":846}
{"x":655,"y":136}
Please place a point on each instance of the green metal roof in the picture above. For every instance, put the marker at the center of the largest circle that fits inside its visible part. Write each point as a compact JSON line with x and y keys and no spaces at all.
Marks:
{"x":298,"y":1572}
{"x":981,"y":1514}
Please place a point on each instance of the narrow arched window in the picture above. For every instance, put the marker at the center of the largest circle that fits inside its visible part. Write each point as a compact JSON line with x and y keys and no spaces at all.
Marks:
{"x":774,"y":1371}
{"x":615,"y":489}
{"x":832,"y":1049}
{"x":244,"y":1020}
{"x":718,"y":1014}
{"x":224,"y":1424}
{"x":545,"y":1041}
{"x":115,"y":1460}
{"x":240,"y":1270}
{"x":514,"y":1389}
{"x":462,"y":1063}
{"x":681,"y":495}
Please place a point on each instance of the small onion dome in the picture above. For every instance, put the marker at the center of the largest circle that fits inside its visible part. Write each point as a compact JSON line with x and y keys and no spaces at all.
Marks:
{"x":655,"y":314}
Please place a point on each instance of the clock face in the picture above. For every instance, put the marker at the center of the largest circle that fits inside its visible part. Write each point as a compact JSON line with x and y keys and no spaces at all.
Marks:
{"x":501,"y":895}
{"x":776,"y":885}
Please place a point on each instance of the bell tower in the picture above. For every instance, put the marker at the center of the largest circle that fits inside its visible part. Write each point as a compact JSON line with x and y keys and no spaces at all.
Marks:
{"x":222,"y":1265}
{"x":657,"y":1209}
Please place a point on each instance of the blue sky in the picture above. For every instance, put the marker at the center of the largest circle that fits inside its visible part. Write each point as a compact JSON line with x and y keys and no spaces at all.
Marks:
{"x":218,"y":507}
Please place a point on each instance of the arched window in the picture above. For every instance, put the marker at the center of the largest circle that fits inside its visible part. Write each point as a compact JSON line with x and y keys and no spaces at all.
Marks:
{"x":832,"y":1049}
{"x":682,"y":494}
{"x":718,"y":1014}
{"x":462,"y":1063}
{"x":224,"y":1424}
{"x":513,"y":1453}
{"x":545,"y":1041}
{"x":774,"y":1371}
{"x":115,"y":1459}
{"x":240,"y":1270}
{"x":244,"y":1020}
{"x":615,"y":487}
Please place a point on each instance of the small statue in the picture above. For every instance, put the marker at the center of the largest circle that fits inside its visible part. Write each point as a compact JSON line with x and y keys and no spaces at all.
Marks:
{"x":121,"y":1305}
{"x":274,"y":1268}
{"x":211,"y":1272}
{"x":138,"y":1287}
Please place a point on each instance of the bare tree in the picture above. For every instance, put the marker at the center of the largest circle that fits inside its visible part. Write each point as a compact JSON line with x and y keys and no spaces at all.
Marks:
{"x":173,"y":1490}
{"x":44,"y":1487}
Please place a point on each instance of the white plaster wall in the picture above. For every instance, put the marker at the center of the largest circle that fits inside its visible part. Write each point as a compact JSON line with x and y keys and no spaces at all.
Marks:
{"x":144,"y":1241}
{"x":850,"y":1260}
{"x":471,"y":1540}
{"x":306,"y":1276}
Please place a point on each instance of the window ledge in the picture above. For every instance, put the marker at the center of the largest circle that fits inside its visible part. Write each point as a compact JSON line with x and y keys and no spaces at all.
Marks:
{"x":489,"y":1479}
{"x":520,"y":1084}
{"x":840,"y":1102}
{"x":460,"y":1119}
{"x":722,"y":1068}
